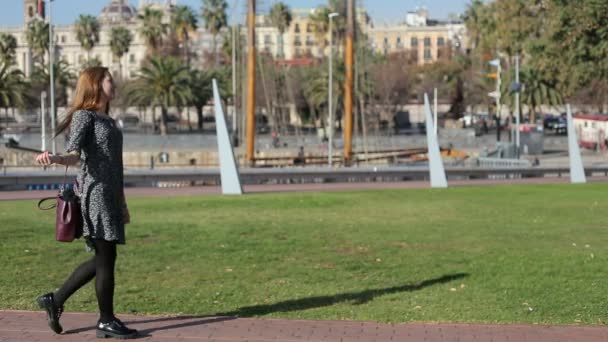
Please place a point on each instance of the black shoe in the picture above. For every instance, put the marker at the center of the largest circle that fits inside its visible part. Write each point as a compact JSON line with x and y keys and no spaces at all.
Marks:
{"x":116,"y":329}
{"x":53,"y":312}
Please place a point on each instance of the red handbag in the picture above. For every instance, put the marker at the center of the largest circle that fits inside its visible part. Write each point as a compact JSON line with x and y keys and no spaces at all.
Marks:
{"x":68,"y":221}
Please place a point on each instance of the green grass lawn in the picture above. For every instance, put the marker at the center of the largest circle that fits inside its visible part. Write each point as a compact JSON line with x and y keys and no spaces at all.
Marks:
{"x":525,"y":254}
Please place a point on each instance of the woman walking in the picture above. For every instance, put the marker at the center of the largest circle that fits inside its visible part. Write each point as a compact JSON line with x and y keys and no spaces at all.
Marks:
{"x":96,"y":142}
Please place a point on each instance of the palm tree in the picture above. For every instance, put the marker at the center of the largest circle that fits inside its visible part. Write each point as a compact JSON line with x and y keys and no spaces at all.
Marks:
{"x":320,"y":20}
{"x":473,"y":21}
{"x":87,"y":32}
{"x":120,"y":41}
{"x":152,"y":28}
{"x":183,"y":21}
{"x":202,"y":92}
{"x":37,"y":36}
{"x":316,"y":88}
{"x":537,"y":91}
{"x":13,"y":87}
{"x":64,"y":77}
{"x":8,"y":45}
{"x":280,"y":17}
{"x":164,"y":82}
{"x":214,"y":15}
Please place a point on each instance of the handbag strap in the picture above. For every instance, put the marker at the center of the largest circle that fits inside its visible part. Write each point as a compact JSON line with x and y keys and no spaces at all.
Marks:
{"x":65,"y":177}
{"x":54,"y":205}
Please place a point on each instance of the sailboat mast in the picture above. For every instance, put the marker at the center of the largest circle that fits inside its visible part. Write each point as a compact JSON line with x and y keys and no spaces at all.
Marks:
{"x":348,"y":83}
{"x":251,"y":52}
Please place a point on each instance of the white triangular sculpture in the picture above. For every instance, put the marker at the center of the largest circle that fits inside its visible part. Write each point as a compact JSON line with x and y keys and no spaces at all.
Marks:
{"x":438,"y":179}
{"x":577,"y":172}
{"x":231,"y":184}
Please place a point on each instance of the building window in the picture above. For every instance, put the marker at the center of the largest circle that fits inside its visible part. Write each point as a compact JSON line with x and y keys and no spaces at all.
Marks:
{"x":309,"y":41}
{"x":297,"y":28}
{"x":414,"y":42}
{"x":385,"y":41}
{"x":131,"y":58}
{"x":267,"y":39}
{"x":440,"y":41}
{"x":297,"y":41}
{"x":427,"y":41}
{"x":309,"y":28}
{"x":399,"y":44}
{"x":80,"y":59}
{"x":427,"y":54}
{"x":63,"y":39}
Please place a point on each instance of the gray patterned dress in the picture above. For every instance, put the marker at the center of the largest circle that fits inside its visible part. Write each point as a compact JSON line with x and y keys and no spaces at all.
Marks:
{"x":100,"y":182}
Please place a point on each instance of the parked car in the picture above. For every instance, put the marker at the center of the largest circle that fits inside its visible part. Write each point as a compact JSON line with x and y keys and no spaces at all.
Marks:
{"x":561,"y":126}
{"x":550,"y":121}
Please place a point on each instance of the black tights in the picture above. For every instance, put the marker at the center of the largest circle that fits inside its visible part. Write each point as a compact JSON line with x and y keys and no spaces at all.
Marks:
{"x":101,"y":266}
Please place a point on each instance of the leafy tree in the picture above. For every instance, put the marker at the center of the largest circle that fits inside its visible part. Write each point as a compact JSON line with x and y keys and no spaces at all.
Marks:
{"x":37,"y":36}
{"x":215,"y":18}
{"x":183,"y":22}
{"x":8,"y":45}
{"x":164,"y":82}
{"x":13,"y":87}
{"x":120,"y":42}
{"x":64,"y":77}
{"x":152,"y":29}
{"x":87,"y":32}
{"x":280,"y":17}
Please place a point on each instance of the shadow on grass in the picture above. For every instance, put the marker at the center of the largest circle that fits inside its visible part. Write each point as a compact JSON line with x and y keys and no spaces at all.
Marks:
{"x":358,"y":298}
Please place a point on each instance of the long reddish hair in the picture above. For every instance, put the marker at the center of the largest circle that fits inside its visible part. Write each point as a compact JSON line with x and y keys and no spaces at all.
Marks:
{"x":88,"y":95}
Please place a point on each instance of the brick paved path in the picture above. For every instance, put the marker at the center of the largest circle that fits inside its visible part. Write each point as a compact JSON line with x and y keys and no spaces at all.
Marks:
{"x":29,"y":326}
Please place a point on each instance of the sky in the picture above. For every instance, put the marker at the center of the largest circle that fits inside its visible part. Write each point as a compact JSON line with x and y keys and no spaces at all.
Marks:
{"x":65,"y":12}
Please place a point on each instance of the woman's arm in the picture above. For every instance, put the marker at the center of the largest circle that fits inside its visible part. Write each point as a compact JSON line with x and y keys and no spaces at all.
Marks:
{"x":68,"y":159}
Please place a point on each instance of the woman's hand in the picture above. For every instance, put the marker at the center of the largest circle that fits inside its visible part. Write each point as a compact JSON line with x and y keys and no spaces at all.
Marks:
{"x":46,"y":158}
{"x":126,"y":217}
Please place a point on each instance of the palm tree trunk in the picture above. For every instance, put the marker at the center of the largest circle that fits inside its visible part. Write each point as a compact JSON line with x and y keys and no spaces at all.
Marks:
{"x":199,"y":115}
{"x":187,"y":50}
{"x":163,"y":119}
{"x":215,"y":49}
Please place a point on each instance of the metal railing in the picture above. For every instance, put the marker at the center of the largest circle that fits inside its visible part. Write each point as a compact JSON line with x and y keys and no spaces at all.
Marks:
{"x":23,"y":180}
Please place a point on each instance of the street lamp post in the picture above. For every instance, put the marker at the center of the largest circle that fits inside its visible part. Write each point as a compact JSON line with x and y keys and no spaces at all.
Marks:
{"x":330,"y":88}
{"x":52,"y":77}
{"x":43,"y":119}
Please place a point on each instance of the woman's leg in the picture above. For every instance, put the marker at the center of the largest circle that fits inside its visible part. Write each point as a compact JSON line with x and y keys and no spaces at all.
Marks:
{"x":53,"y":302}
{"x":108,"y":325}
{"x":105,"y":259}
{"x":81,"y":275}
